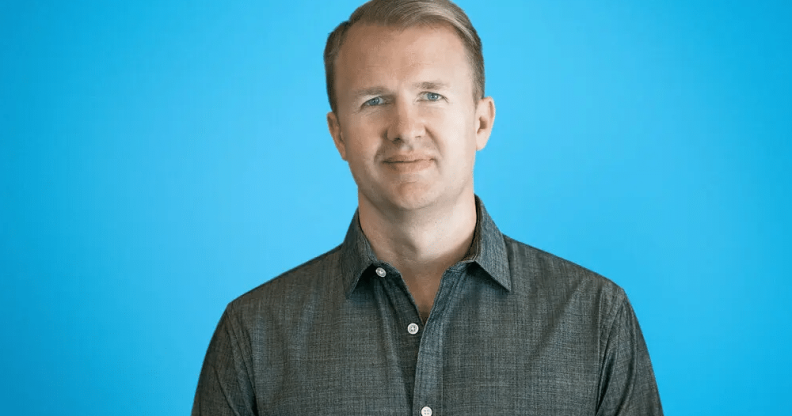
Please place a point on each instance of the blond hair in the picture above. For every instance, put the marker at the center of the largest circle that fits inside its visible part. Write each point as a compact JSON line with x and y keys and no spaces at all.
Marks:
{"x":403,"y":14}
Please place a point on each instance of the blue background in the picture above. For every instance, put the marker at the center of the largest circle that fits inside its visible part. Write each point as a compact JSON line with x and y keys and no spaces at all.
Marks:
{"x":160,"y":158}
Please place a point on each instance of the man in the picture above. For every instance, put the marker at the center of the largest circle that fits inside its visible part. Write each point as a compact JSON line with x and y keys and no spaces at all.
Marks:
{"x":426,"y":308}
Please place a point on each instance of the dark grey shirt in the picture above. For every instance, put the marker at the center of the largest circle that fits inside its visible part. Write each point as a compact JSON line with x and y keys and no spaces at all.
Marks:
{"x":513,"y":331}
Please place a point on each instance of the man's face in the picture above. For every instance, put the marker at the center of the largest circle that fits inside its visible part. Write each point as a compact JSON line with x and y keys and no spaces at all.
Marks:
{"x":406,"y":120}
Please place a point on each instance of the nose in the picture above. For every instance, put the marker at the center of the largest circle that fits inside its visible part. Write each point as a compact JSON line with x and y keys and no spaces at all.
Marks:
{"x":406,"y":123}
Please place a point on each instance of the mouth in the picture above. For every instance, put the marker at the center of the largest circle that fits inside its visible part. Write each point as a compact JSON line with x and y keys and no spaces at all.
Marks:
{"x":407,"y":159}
{"x":408,"y":164}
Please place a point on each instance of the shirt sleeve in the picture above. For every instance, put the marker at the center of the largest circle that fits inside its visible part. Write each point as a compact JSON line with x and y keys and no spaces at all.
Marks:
{"x":627,"y":381}
{"x":224,"y":386}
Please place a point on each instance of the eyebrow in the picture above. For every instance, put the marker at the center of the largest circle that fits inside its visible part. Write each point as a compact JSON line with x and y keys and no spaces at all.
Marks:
{"x":367,"y":92}
{"x":431,"y":85}
{"x":374,"y":91}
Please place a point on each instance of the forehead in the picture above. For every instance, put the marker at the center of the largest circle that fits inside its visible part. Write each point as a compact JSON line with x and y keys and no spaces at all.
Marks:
{"x":374,"y":53}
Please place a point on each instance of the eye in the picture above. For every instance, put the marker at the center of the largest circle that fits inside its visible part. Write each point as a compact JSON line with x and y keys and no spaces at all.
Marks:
{"x":373,"y":102}
{"x":432,"y":96}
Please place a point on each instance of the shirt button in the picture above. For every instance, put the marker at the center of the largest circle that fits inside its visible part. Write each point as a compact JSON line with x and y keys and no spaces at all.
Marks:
{"x":413,"y":329}
{"x":426,"y":411}
{"x":380,"y":272}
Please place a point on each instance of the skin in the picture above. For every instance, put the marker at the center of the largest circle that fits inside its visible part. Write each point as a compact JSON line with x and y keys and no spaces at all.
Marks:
{"x":409,"y":128}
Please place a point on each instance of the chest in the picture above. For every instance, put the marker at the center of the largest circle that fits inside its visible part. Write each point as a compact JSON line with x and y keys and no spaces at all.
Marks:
{"x":482,"y":351}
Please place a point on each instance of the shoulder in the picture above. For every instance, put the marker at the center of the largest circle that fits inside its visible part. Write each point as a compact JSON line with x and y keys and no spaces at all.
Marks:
{"x":311,"y":282}
{"x":547,"y":277}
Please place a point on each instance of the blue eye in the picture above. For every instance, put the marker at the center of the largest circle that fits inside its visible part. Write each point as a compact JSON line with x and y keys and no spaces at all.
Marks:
{"x":373,"y":102}
{"x":433,"y":96}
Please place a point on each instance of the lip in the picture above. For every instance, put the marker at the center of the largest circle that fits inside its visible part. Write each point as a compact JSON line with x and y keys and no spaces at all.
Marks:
{"x":408,"y":158}
{"x":408,"y":165}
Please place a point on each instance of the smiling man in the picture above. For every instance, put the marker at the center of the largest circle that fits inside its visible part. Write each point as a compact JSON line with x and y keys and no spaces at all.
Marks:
{"x":409,"y":119}
{"x":426,"y":308}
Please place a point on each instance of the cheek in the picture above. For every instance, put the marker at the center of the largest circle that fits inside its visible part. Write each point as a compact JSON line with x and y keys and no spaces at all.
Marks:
{"x":359,"y":151}
{"x":459,"y":135}
{"x":363,"y":129}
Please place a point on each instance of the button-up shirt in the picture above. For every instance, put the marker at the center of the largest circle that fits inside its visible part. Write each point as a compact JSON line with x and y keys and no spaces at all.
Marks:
{"x":513,"y":331}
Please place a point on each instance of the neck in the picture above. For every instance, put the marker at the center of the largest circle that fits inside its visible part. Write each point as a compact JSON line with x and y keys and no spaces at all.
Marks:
{"x":421,"y":243}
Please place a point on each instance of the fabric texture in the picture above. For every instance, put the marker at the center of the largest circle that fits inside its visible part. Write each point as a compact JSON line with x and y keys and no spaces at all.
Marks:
{"x":513,"y":331}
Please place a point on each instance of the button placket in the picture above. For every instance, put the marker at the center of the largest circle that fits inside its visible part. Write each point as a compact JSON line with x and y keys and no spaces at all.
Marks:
{"x":429,"y":368}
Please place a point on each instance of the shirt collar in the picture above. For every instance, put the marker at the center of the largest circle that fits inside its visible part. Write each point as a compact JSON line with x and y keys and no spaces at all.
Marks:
{"x":488,"y":251}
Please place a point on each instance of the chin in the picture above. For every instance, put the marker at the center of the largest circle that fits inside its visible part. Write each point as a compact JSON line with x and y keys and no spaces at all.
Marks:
{"x":409,"y":197}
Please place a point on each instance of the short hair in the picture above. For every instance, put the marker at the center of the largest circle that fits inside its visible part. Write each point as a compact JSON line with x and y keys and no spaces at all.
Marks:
{"x":404,"y":14}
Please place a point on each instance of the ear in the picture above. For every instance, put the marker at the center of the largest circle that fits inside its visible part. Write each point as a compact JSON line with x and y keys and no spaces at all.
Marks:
{"x":335,"y":131}
{"x":485,"y":117}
